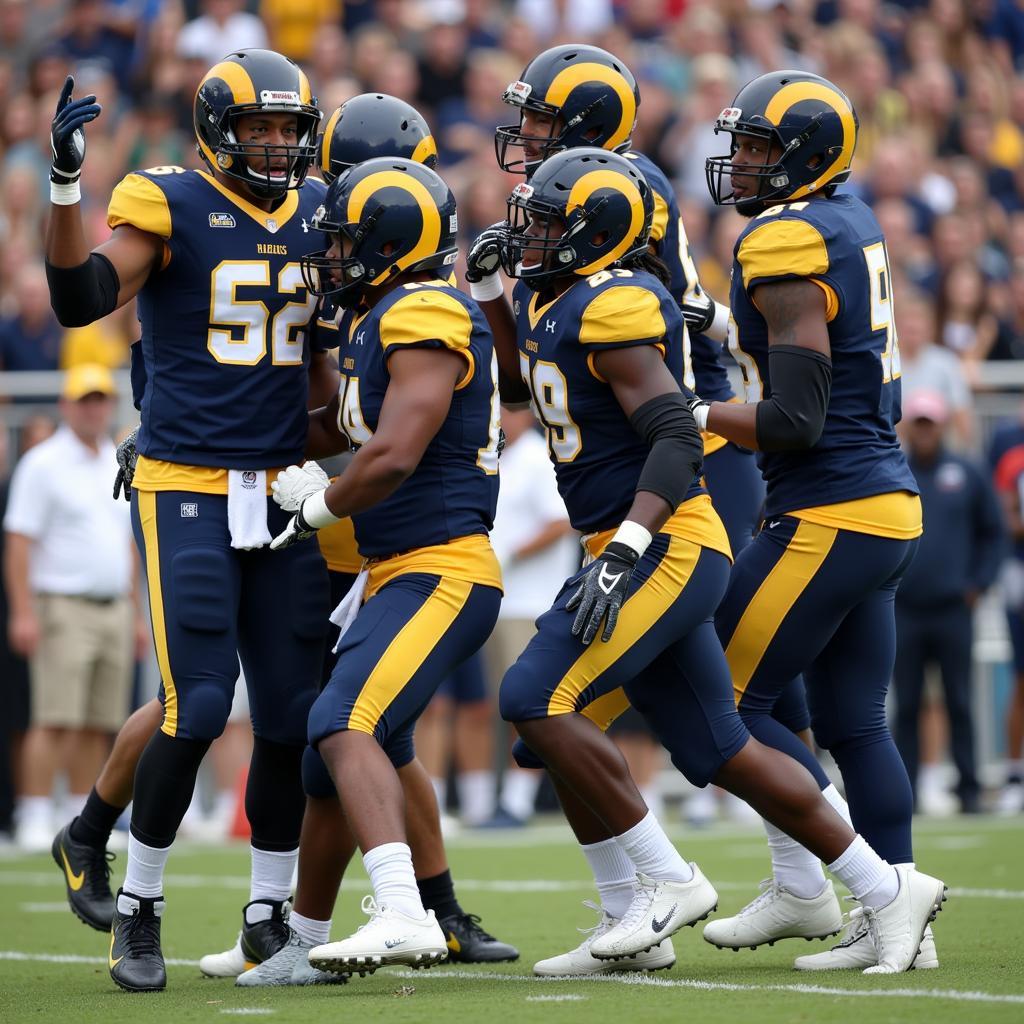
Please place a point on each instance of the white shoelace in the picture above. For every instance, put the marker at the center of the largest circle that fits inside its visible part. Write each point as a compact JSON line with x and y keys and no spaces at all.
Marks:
{"x":641,"y":905}
{"x":595,"y":930}
{"x":770,"y":892}
{"x":370,"y":908}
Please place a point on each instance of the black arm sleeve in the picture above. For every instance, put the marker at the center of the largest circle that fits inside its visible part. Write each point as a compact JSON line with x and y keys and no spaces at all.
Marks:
{"x":793,"y":418}
{"x":512,"y":390}
{"x":83,"y":294}
{"x":677,"y":450}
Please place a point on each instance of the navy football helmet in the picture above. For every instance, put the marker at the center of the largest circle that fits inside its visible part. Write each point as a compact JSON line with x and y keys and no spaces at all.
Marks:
{"x":250,"y":82}
{"x":591,"y":92}
{"x":597,"y":209}
{"x":399,"y":217}
{"x":373,"y":125}
{"x":811,"y":123}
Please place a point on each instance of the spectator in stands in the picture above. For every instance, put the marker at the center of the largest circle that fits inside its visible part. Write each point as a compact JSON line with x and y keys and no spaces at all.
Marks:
{"x":535,"y":546}
{"x":30,"y":338}
{"x":957,"y":560}
{"x":69,"y":568}
{"x":223,"y":26}
{"x":965,"y":324}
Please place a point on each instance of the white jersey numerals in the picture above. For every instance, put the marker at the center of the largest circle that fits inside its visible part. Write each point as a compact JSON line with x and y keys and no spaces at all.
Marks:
{"x":551,"y":402}
{"x":882,"y":315}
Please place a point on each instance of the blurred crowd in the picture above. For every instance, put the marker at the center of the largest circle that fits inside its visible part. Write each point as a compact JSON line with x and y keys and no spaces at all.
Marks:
{"x":938,"y":86}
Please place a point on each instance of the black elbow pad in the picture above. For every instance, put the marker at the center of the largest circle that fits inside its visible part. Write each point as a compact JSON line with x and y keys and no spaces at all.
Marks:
{"x":794,"y":417}
{"x":83,"y":294}
{"x":677,"y":449}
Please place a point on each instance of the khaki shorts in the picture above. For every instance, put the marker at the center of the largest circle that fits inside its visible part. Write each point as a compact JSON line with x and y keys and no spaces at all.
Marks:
{"x":81,"y":672}
{"x":507,"y":641}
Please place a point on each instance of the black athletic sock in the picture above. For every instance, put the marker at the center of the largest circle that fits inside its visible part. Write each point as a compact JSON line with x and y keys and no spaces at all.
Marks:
{"x":438,"y":895}
{"x":97,"y":820}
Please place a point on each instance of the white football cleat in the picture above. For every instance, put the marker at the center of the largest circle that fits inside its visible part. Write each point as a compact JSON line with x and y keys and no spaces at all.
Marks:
{"x":856,"y":951}
{"x":897,"y":929}
{"x":229,"y":964}
{"x":659,"y":908}
{"x":289,"y":966}
{"x":580,"y":961}
{"x":777,"y":914}
{"x":389,"y":938}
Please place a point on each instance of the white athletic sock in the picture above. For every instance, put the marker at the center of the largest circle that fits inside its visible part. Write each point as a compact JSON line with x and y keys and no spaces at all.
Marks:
{"x":652,"y":852}
{"x":614,"y":874}
{"x":144,"y":875}
{"x":314,"y":932}
{"x":35,"y":810}
{"x":440,"y":792}
{"x":271,"y":877}
{"x":839,"y":804}
{"x":519,"y":792}
{"x":869,"y":878}
{"x":393,"y":879}
{"x":476,"y":796}
{"x":795,"y":868}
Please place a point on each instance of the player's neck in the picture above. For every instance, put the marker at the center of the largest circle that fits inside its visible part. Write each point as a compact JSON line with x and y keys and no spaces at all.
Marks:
{"x":241,"y":190}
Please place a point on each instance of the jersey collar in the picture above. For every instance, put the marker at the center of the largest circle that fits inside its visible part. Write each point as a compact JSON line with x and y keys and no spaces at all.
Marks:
{"x":272,"y":221}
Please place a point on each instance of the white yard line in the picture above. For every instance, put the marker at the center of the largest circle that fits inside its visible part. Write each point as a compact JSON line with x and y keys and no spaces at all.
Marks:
{"x":641,"y":980}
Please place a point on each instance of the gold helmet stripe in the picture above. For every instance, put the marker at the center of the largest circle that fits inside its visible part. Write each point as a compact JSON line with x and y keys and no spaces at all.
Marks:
{"x":425,"y":149}
{"x":325,"y":145}
{"x":305,"y":92}
{"x":430,"y":233}
{"x":237,"y":79}
{"x":796,"y":92}
{"x":567,"y":80}
{"x":585,"y":188}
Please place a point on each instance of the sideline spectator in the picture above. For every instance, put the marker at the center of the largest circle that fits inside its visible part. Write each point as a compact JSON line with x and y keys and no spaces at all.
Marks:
{"x":956,"y":562}
{"x":68,"y":567}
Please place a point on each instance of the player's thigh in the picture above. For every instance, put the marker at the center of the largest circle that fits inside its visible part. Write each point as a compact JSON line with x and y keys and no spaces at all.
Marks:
{"x":737,"y":492}
{"x":557,"y":674}
{"x":282,"y":631}
{"x":406,"y":638}
{"x":60,"y":667}
{"x":790,"y":709}
{"x":111,"y":683}
{"x":193,"y":578}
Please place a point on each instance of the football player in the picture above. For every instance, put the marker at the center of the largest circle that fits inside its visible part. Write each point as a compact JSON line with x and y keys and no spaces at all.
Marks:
{"x":571,"y":96}
{"x":599,"y":354}
{"x":812,"y":329}
{"x":213,"y":257}
{"x":419,"y":403}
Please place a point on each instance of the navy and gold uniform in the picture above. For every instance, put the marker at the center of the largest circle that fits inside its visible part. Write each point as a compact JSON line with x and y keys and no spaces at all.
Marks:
{"x":814,"y":591}
{"x":664,"y":633}
{"x":225,"y":343}
{"x":434,"y":585}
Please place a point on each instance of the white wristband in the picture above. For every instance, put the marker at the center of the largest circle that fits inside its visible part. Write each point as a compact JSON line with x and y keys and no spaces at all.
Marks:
{"x":65,"y":195}
{"x":491,"y":287}
{"x":634,"y":536}
{"x":316,"y":513}
{"x":719,"y":329}
{"x":700,"y":414}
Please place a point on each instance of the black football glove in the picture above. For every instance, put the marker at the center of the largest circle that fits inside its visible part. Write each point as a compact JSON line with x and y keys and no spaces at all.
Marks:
{"x":698,"y":311}
{"x":127,"y":456}
{"x":67,"y":139}
{"x":602,"y":590}
{"x":483,"y":258}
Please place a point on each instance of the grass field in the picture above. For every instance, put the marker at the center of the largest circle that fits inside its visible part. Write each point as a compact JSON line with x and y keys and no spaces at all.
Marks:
{"x":528,"y":887}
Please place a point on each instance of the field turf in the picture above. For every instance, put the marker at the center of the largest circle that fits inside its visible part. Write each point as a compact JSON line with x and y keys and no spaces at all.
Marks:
{"x":528,"y":886}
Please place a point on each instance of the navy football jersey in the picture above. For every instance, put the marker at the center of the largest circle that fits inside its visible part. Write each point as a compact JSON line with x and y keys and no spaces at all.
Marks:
{"x":703,"y":372}
{"x":596,"y":453}
{"x":837,"y":244}
{"x":225,"y":320}
{"x":453,"y":491}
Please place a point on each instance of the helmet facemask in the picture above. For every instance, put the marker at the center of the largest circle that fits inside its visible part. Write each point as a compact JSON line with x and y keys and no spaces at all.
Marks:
{"x":319,"y":268}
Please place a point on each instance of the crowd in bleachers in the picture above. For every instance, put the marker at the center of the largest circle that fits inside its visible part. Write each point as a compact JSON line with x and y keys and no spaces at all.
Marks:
{"x":938,"y":86}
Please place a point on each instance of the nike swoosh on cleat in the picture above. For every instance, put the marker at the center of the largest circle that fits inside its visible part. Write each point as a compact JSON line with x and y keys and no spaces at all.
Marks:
{"x":74,"y":881}
{"x":659,"y":926}
{"x":110,"y":956}
{"x":453,"y":943}
{"x":391,"y":943}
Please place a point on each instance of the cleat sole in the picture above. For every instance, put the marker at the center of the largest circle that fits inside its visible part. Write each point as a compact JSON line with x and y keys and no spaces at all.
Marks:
{"x":647,"y":949}
{"x":771,"y":942}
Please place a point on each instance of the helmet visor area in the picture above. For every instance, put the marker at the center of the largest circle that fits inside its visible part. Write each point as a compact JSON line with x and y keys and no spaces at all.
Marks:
{"x":519,"y":151}
{"x":269,"y":169}
{"x":733,"y":183}
{"x":536,"y":247}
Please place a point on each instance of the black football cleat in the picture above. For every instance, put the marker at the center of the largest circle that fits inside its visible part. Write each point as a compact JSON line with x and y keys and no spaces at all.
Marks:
{"x":468,"y":943}
{"x":135,"y":961}
{"x":86,"y":871}
{"x":262,"y":938}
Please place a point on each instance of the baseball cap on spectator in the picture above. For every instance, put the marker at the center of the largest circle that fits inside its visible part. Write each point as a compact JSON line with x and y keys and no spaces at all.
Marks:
{"x":88,"y":379}
{"x":443,"y":12}
{"x":926,"y":405}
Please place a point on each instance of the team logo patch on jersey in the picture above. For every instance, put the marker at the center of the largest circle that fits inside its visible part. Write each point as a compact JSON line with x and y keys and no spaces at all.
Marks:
{"x":248,"y":479}
{"x":221,"y":220}
{"x":189,"y":510}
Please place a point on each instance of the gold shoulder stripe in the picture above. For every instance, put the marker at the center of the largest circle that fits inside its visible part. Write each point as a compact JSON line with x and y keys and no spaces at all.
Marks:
{"x":425,"y":315}
{"x":622,"y":313}
{"x":660,"y":222}
{"x":140,"y":202}
{"x":783,"y":248}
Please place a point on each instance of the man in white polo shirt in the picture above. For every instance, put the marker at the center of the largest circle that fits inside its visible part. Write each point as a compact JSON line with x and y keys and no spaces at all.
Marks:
{"x":69,"y":573}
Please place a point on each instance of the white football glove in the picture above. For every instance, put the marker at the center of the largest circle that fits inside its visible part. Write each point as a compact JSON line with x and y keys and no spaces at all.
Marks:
{"x":297,"y":483}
